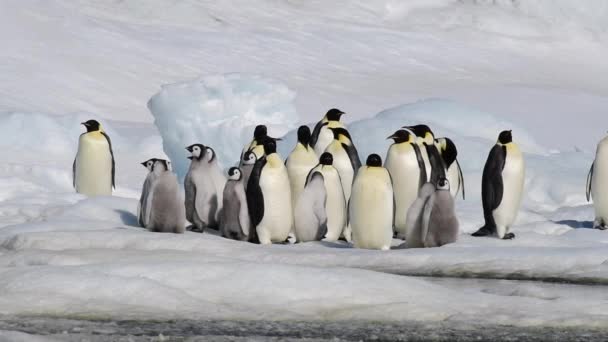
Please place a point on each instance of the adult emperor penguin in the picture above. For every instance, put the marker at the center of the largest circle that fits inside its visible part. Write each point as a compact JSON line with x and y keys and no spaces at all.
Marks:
{"x":259,"y":133}
{"x":405,"y":164}
{"x":435,"y":168}
{"x":164,"y":202}
{"x":235,"y":223}
{"x":448,"y":152}
{"x":431,"y":220}
{"x":335,"y":204}
{"x":269,"y":198}
{"x":346,"y":158}
{"x":502,"y":186}
{"x":299,"y":163}
{"x":597,"y":185}
{"x":142,"y":210}
{"x":310,"y":216}
{"x":201,"y":200}
{"x":371,"y":206}
{"x":321,"y":135}
{"x":246,"y":165}
{"x":94,"y":167}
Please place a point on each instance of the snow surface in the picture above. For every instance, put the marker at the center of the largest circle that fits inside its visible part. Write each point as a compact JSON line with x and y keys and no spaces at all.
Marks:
{"x":468,"y":68}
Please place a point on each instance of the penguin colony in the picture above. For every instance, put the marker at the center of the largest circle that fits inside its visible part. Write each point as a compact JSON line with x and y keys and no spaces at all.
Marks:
{"x":323,"y":192}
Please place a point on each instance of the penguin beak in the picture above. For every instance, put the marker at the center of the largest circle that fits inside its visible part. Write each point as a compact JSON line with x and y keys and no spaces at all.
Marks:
{"x":144,"y":164}
{"x":190,"y":157}
{"x":189,"y":149}
{"x":390,"y":137}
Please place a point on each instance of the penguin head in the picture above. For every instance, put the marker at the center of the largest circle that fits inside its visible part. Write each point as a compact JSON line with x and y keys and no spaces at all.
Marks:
{"x":422,"y":131}
{"x":304,"y":135}
{"x":149,"y":164}
{"x":209,"y":154}
{"x":342,"y":135}
{"x":260,"y":131}
{"x":197,"y":150}
{"x":92,"y":125}
{"x":373,"y":160}
{"x":448,"y":150}
{"x":270,"y":147}
{"x":443,"y":184}
{"x":234,"y":173}
{"x":160,"y":165}
{"x":249,"y":158}
{"x":401,"y":136}
{"x":505,"y":137}
{"x":334,"y":114}
{"x":326,"y":159}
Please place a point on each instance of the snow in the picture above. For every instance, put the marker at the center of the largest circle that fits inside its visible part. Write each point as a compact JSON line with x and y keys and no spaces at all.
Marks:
{"x":467,"y":68}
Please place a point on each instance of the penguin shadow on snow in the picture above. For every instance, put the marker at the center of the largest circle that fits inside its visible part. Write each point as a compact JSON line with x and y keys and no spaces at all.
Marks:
{"x":575,"y":224}
{"x":127,"y":217}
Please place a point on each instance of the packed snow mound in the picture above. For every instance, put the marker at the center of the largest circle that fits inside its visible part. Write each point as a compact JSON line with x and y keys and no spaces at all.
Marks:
{"x":220,"y":111}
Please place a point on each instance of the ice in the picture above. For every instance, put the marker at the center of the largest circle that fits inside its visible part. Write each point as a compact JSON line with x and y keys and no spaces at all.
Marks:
{"x":220,"y":111}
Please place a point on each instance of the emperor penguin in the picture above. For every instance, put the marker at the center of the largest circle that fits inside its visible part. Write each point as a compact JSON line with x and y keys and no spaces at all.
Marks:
{"x":448,"y":152}
{"x":269,"y":198}
{"x":246,"y":165}
{"x":202,"y":201}
{"x":346,"y":158}
{"x":299,"y":163}
{"x":407,"y":169}
{"x":371,"y":206}
{"x":94,"y":168}
{"x":335,"y":203}
{"x":259,"y":133}
{"x":597,"y":185}
{"x":310,"y":216}
{"x":142,"y":211}
{"x":431,"y":220}
{"x":165,"y":210}
{"x":435,"y":168}
{"x":502,"y":187}
{"x":219,"y":180}
{"x":235,"y":223}
{"x":321,"y":135}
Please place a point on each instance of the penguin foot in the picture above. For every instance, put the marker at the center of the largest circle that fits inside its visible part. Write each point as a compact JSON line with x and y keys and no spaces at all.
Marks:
{"x":291,"y":238}
{"x":483,"y":231}
{"x":509,"y":236}
{"x":602,"y":227}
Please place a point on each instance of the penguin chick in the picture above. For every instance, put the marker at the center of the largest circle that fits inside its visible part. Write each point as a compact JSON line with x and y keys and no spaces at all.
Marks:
{"x":310,"y":219}
{"x":235,"y":223}
{"x":166,"y":213}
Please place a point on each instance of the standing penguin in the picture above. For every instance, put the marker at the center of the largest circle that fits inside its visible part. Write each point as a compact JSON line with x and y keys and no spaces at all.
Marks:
{"x":142,"y":211}
{"x":597,"y":185}
{"x":321,"y":135}
{"x":346,"y":158}
{"x":431,"y":220}
{"x":448,"y":152}
{"x":371,"y":207}
{"x":299,"y":163}
{"x":246,"y":165}
{"x":435,"y":168}
{"x":269,"y":198}
{"x":219,"y":180}
{"x":201,"y":195}
{"x":235,"y":223}
{"x":310,"y":217}
{"x":94,"y":167}
{"x":335,"y":204}
{"x":165,"y":211}
{"x":405,"y":164}
{"x":502,"y":187}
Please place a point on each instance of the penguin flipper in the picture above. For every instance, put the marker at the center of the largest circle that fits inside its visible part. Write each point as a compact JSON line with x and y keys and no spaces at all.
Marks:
{"x":353,"y":156}
{"x":437,"y":163}
{"x":314,"y":137}
{"x":492,"y":184}
{"x":255,"y":198}
{"x":589,"y":180}
{"x":74,"y":173}
{"x":422,"y":179}
{"x":244,"y":219}
{"x":461,"y":178}
{"x":113,"y":161}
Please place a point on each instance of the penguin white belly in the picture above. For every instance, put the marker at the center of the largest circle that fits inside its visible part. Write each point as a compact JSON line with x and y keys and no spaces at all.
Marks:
{"x":454,"y":179}
{"x":335,"y":206}
{"x":277,"y":221}
{"x":599,"y":186}
{"x":402,"y":164}
{"x":371,"y":210}
{"x":326,"y":136}
{"x":343,"y":165}
{"x":299,"y":165}
{"x":93,"y":166}
{"x":513,"y":176}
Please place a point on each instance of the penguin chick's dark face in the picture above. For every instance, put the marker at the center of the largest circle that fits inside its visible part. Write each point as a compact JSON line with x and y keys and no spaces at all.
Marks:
{"x":234,"y":173}
{"x":421,"y":130}
{"x":270,"y":147}
{"x":443,"y":184}
{"x":374,"y":160}
{"x":92,"y":125}
{"x":334,"y":114}
{"x":505,"y":137}
{"x":197,"y":150}
{"x":260,"y":131}
{"x":400,"y":136}
{"x":148,"y":164}
{"x":326,"y":159}
{"x":304,"y":135}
